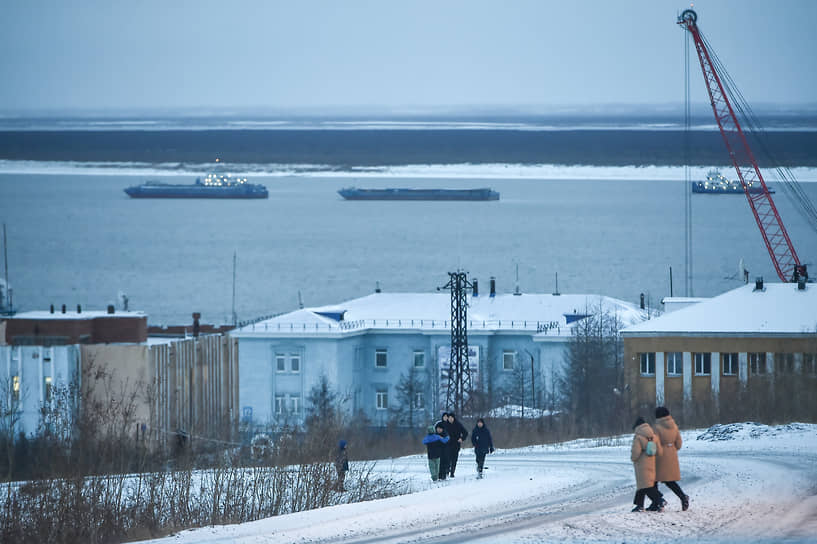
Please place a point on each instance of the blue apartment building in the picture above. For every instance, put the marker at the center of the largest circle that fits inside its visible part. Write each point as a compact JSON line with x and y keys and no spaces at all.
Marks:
{"x":364,"y":347}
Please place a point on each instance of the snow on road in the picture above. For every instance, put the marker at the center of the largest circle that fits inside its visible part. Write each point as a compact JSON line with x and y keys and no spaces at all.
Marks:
{"x":746,"y":482}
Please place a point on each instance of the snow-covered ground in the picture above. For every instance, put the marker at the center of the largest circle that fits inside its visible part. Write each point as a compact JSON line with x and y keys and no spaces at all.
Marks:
{"x":747,"y":482}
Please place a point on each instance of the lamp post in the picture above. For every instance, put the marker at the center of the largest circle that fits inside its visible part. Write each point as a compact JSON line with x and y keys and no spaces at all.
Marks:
{"x":532,"y":381}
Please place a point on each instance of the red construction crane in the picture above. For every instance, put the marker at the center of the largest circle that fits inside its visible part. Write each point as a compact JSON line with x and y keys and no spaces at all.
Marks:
{"x":781,"y":250}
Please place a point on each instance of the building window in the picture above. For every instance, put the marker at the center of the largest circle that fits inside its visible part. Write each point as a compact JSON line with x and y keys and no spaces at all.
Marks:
{"x":757,"y":363}
{"x":809,"y":364}
{"x":380,"y":358}
{"x":647,"y":364}
{"x":280,"y":362}
{"x":47,"y":354}
{"x":419,"y":401}
{"x":730,"y":364}
{"x":382,"y":398}
{"x":784,"y":363}
{"x":419,"y":359}
{"x":15,"y":388}
{"x":508,"y":360}
{"x":279,"y":404}
{"x":47,"y":389}
{"x":295,"y":362}
{"x":703,"y":364}
{"x":675,"y":363}
{"x":295,"y":405}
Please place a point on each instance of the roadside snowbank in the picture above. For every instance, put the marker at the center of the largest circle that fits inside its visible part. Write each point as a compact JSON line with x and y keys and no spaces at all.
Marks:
{"x":758,"y":484}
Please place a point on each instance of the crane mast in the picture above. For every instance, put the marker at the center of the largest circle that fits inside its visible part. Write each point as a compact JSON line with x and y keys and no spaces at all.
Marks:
{"x":777,"y":240}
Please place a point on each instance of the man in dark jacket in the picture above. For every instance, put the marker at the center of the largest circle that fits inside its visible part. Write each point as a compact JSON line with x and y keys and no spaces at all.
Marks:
{"x":341,"y":464}
{"x":457,"y":433}
{"x":435,"y":445}
{"x":483,"y":445}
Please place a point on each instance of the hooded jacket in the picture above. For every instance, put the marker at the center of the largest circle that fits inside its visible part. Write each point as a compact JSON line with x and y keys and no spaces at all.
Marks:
{"x":667,"y":468}
{"x":481,"y":439}
{"x":644,"y":464}
{"x":434,"y":443}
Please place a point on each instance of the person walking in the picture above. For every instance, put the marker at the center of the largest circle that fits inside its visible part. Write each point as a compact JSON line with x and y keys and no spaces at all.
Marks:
{"x":341,"y":465}
{"x":667,"y":468}
{"x":483,"y":445}
{"x":435,"y":445}
{"x":642,"y":453}
{"x":457,"y":433}
{"x":444,"y":425}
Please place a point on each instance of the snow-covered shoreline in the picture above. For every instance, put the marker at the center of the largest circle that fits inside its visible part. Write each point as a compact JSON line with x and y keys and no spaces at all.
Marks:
{"x":747,"y":482}
{"x":418,"y":171}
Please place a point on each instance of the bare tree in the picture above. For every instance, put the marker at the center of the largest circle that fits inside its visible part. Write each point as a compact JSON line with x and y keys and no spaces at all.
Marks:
{"x":11,"y":413}
{"x":410,"y":388}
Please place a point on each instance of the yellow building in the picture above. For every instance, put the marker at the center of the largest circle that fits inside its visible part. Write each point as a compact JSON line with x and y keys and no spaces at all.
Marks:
{"x":750,"y":353}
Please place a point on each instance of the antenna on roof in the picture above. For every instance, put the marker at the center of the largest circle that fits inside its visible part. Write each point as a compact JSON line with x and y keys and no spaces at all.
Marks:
{"x":300,"y":301}
{"x":517,"y":292}
{"x":556,"y":293}
{"x":123,"y":298}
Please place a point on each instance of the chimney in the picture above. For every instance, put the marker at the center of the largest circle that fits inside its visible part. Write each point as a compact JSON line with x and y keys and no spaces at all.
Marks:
{"x":801,"y":284}
{"x":52,"y":308}
{"x":79,"y":309}
{"x":759,"y":283}
{"x":63,"y":308}
{"x":110,"y":308}
{"x":642,"y":301}
{"x":196,"y":327}
{"x":476,"y":288}
{"x":493,"y":287}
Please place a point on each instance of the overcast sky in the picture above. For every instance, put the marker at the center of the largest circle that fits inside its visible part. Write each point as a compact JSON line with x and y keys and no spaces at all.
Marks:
{"x":69,"y":55}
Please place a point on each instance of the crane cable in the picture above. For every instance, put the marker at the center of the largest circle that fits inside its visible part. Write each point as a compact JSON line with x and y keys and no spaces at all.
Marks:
{"x":791,"y":187}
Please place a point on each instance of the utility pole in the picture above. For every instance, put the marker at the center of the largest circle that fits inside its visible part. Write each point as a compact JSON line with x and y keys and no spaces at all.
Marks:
{"x":235,"y":318}
{"x":458,"y":394}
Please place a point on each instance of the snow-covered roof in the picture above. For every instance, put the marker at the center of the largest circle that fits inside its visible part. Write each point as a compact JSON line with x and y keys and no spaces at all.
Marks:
{"x":73,"y":315}
{"x":779,"y":309}
{"x":544,"y":315}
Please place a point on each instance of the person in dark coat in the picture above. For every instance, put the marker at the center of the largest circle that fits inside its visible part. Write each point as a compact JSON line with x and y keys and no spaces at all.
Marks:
{"x":435,"y":446}
{"x":483,"y":445}
{"x":443,"y":424}
{"x":457,"y":433}
{"x":341,"y":464}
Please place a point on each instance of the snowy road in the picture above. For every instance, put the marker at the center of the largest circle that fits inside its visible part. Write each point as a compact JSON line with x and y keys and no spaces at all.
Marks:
{"x":761,"y":488}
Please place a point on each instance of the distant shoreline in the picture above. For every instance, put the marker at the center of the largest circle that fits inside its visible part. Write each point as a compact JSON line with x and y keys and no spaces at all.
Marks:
{"x":344,"y":149}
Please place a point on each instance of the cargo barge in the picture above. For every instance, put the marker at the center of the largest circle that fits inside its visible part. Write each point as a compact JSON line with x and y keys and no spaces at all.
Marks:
{"x":213,"y":186}
{"x":353,"y":193}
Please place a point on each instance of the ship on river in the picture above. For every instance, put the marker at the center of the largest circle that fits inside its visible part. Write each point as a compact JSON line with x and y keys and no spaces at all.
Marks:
{"x":214,"y":185}
{"x":718,"y":184}
{"x":353,"y":193}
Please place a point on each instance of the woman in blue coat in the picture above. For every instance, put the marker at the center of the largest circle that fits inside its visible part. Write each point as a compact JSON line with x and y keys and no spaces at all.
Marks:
{"x":483,"y":445}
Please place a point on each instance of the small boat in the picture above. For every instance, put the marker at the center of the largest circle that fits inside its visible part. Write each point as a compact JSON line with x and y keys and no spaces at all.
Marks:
{"x":353,"y":193}
{"x":213,"y":186}
{"x":717,"y":184}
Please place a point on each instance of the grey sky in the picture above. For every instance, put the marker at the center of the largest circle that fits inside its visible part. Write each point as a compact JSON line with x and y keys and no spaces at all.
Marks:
{"x":275,"y":55}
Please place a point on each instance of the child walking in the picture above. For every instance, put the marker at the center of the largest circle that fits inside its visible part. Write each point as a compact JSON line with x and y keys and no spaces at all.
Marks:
{"x":435,"y":445}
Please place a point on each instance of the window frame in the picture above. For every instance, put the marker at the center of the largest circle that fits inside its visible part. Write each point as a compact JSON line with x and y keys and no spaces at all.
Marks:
{"x":422,"y":355}
{"x":505,"y":354}
{"x":280,"y":362}
{"x":734,"y":363}
{"x":381,"y":397}
{"x":677,"y":358}
{"x":294,"y":404}
{"x":645,"y":359}
{"x":419,"y":400}
{"x":280,"y":404}
{"x":705,"y":360}
{"x":757,"y":363}
{"x":808,"y":365}
{"x":292,"y":358}
{"x":385,"y":353}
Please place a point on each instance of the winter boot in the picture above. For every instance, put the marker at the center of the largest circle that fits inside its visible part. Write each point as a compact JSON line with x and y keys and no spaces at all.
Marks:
{"x":637,"y":509}
{"x":685,"y":503}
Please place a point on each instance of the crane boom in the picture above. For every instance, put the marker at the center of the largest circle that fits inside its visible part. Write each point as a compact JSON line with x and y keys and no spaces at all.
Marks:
{"x":777,"y":240}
